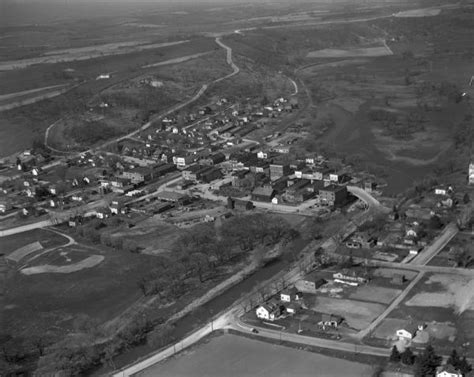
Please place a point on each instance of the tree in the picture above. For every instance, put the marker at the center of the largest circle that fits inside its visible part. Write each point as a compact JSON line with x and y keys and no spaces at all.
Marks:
{"x":466,"y":199}
{"x":161,"y":335}
{"x":407,"y":357}
{"x":454,"y":359}
{"x":464,"y":366}
{"x":427,"y":362}
{"x":395,"y":356}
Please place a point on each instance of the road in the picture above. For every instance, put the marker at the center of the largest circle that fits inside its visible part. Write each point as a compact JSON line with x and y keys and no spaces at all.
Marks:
{"x":439,"y":243}
{"x":363,"y":195}
{"x":42,"y":224}
{"x":202,"y":90}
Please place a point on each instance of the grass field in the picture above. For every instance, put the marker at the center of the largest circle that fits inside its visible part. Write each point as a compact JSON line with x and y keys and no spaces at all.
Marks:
{"x":49,"y":302}
{"x":446,"y":291}
{"x":47,"y":239}
{"x":377,"y":294}
{"x":358,"y":314}
{"x":247,"y":357}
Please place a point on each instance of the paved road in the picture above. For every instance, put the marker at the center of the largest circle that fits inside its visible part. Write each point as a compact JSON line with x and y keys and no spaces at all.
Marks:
{"x":438,"y":244}
{"x":203,"y":89}
{"x":367,"y":198}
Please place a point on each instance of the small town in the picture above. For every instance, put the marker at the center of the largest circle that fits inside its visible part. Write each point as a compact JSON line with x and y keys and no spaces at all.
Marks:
{"x":226,"y":189}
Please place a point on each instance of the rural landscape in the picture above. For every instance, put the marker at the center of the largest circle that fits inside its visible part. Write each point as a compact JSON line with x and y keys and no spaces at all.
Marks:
{"x":237,"y":188}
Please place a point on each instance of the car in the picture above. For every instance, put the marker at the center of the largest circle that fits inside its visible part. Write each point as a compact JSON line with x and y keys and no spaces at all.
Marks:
{"x":255,"y":331}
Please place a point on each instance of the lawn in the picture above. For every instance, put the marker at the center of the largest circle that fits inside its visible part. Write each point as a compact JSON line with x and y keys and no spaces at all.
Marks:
{"x":445,"y":291}
{"x":358,"y":314}
{"x":381,"y":295}
{"x":248,"y":357}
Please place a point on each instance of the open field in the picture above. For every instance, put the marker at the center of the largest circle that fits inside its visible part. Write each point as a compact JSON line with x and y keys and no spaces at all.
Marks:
{"x":350,"y":53}
{"x":377,"y":294}
{"x":85,"y":53}
{"x":247,"y":357}
{"x":87,"y":262}
{"x":358,"y":314}
{"x":153,"y":235}
{"x":446,"y":291}
{"x":49,"y":302}
{"x":47,"y":239}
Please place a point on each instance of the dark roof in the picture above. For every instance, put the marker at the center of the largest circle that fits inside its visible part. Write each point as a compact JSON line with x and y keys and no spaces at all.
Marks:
{"x":263,"y":191}
{"x":333,"y":188}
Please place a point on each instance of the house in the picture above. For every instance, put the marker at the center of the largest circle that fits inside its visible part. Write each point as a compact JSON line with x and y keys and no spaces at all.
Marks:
{"x":291,"y":308}
{"x":244,"y":205}
{"x":138,"y":175}
{"x":263,"y":194}
{"x":408,"y":332}
{"x":75,"y":221}
{"x":310,"y":283}
{"x":334,"y":196}
{"x":266,"y":312}
{"x":350,"y":276}
{"x":103,"y":213}
{"x":5,"y":205}
{"x":330,"y":320}
{"x":370,"y":186}
{"x":471,"y":173}
{"x":448,"y":371}
{"x":115,"y":207}
{"x":213,"y":159}
{"x":289,"y":295}
{"x":444,"y":190}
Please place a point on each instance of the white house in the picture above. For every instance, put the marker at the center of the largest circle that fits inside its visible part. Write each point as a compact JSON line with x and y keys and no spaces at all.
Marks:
{"x":289,"y":295}
{"x":352,"y":277}
{"x":408,"y":332}
{"x":265,"y":312}
{"x":448,"y":371}
{"x":291,"y":308}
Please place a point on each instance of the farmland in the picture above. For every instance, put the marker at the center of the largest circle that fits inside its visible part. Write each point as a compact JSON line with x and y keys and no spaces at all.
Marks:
{"x":247,"y":357}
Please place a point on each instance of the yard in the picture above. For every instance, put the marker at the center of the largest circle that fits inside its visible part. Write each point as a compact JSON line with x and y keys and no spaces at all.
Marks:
{"x":444,"y":304}
{"x":358,"y":314}
{"x":248,"y":357}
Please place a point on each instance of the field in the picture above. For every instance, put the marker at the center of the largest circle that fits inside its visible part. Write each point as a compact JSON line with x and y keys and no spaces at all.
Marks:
{"x":447,"y":291}
{"x":441,"y":302}
{"x":247,"y":357}
{"x":153,"y":235}
{"x":47,"y":239}
{"x":355,"y":52}
{"x":48,"y":302}
{"x":358,"y":314}
{"x":377,"y":294}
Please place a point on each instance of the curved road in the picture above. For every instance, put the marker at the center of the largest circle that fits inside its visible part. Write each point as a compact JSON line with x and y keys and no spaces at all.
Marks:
{"x":235,"y":70}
